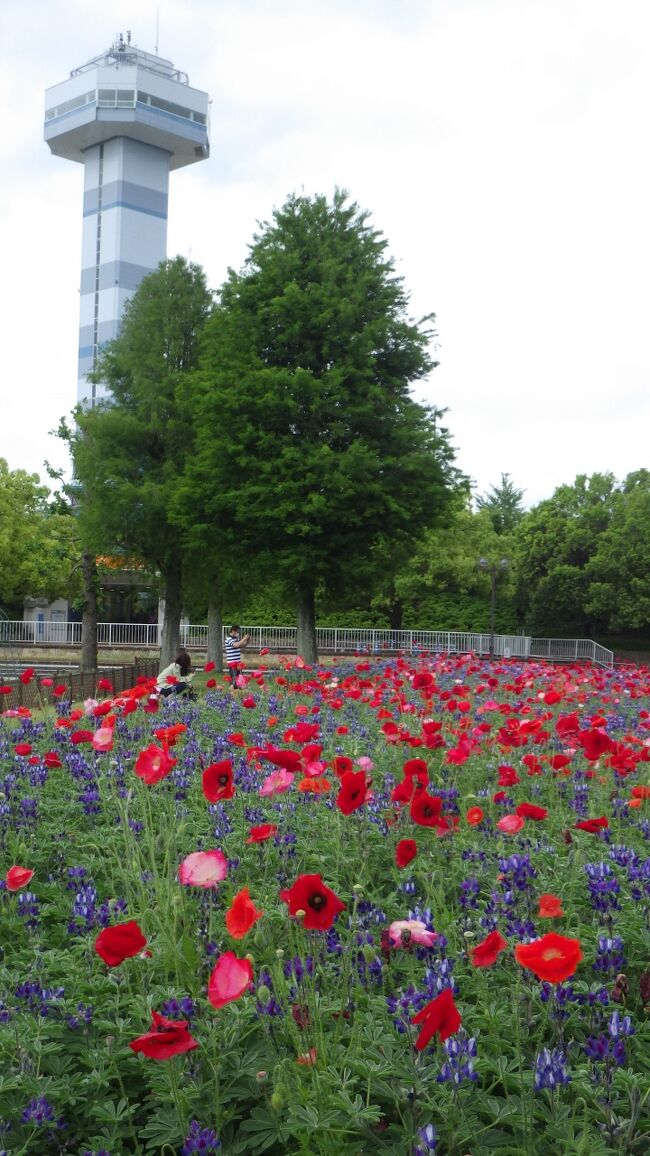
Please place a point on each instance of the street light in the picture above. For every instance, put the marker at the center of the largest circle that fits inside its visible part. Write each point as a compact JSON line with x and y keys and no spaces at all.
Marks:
{"x":493,"y":568}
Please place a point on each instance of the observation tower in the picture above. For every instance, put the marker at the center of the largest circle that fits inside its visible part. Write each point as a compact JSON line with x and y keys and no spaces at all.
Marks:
{"x":128,"y":117}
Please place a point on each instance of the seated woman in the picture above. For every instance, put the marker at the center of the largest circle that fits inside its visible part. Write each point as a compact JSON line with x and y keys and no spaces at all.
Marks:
{"x":176,"y":678}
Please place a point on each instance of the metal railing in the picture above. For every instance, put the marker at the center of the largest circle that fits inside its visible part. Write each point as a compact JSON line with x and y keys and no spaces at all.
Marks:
{"x":571,"y":650}
{"x":329,"y":640}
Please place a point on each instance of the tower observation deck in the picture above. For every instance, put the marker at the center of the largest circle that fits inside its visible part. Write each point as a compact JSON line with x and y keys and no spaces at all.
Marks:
{"x":128,"y":117}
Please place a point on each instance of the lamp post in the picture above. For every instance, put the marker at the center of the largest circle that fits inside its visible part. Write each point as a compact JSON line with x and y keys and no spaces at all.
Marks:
{"x":493,"y":568}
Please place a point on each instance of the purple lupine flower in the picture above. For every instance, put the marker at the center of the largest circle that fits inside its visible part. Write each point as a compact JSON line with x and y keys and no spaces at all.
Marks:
{"x":551,"y":1069}
{"x":200,"y":1139}
{"x":461,"y":1051}
{"x":427,"y":1140}
{"x":38,"y":1113}
{"x":610,"y":959}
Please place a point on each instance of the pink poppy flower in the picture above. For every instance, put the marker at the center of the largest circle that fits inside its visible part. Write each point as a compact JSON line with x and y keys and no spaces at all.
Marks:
{"x":229,"y":980}
{"x":511,"y":824}
{"x":203,"y":869}
{"x":276,"y":783}
{"x":417,"y":933}
{"x":103,"y":739}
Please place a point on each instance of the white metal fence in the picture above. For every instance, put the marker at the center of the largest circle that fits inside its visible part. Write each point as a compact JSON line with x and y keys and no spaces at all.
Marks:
{"x":329,"y":640}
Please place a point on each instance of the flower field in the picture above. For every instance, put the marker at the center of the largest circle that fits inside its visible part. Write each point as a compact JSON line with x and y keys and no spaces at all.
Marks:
{"x":396,"y":906}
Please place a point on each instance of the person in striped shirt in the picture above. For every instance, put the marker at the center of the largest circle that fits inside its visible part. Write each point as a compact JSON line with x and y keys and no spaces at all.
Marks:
{"x":234,"y":644}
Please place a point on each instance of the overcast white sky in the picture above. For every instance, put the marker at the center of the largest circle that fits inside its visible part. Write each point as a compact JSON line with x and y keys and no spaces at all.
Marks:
{"x":502,"y":146}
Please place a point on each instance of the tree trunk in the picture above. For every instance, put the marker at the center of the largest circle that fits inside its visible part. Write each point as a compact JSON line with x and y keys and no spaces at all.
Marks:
{"x":171,"y":629}
{"x":395,"y":614}
{"x":215,"y":637}
{"x":306,"y":622}
{"x":89,"y":615}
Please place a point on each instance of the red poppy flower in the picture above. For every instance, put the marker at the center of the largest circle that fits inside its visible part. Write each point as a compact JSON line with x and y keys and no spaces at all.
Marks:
{"x":211,"y":683}
{"x":533,"y":765}
{"x":230,"y":978}
{"x":79,"y":737}
{"x":417,"y":768}
{"x":594,"y":743}
{"x":248,"y":702}
{"x":218,"y":781}
{"x":405,"y":852}
{"x":487,"y":952}
{"x":52,"y":760}
{"x":105,"y":684}
{"x":508,"y":776}
{"x":26,"y":675}
{"x":531,"y":811}
{"x":474,"y":816}
{"x":153,"y":764}
{"x":287,"y":760}
{"x":403,"y":792}
{"x":568,"y":724}
{"x":559,"y":762}
{"x":352,"y":793}
{"x":425,"y":809}
{"x":242,"y":914}
{"x":18,"y":877}
{"x":550,"y":907}
{"x":310,"y":895}
{"x":6,"y":689}
{"x":553,"y":957}
{"x":166,"y":1039}
{"x":439,"y":1017}
{"x":208,"y":667}
{"x":261,"y":833}
{"x":115,"y":944}
{"x":592,"y":825}
{"x":341,"y":764}
{"x":23,"y":748}
{"x":640,"y":792}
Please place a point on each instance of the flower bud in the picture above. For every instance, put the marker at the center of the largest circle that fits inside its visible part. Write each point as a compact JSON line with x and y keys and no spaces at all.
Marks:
{"x":264,"y":995}
{"x":277,"y":1101}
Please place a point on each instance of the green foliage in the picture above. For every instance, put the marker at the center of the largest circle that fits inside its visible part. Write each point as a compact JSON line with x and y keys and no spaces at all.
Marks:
{"x":39,"y":547}
{"x":504,"y":505}
{"x":441,"y":586}
{"x":309,"y":447}
{"x":619,"y":575}
{"x":580,"y":558}
{"x":369,"y":1089}
{"x":130,"y":450}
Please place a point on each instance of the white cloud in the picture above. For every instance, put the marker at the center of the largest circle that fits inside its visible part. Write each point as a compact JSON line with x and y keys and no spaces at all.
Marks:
{"x":498,"y":143}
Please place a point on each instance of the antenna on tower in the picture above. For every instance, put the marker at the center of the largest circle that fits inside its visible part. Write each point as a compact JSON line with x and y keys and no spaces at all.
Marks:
{"x":157,"y":28}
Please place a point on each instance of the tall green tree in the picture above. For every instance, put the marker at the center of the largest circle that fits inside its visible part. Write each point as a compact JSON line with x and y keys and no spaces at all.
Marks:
{"x":442,"y":586}
{"x":618,"y":571}
{"x":309,"y":447}
{"x":504,"y":504}
{"x":555,"y":546}
{"x":39,"y":548}
{"x":130,"y":450}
